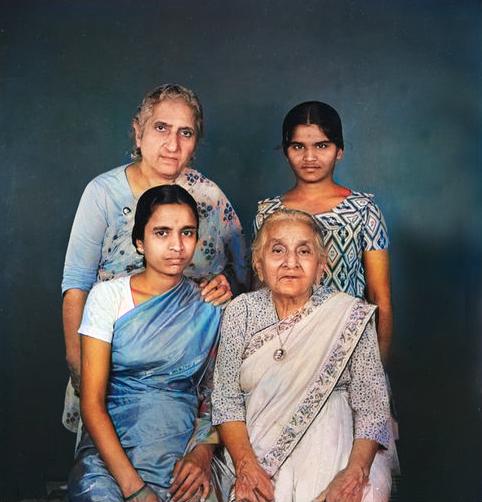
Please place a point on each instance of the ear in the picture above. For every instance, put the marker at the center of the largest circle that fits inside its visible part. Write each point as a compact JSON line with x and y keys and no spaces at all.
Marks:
{"x":339,"y":154}
{"x":137,"y":132}
{"x":259,"y":271}
{"x":139,"y":246}
{"x":321,"y":272}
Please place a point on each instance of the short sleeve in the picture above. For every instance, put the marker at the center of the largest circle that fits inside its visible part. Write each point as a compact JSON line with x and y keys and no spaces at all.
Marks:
{"x":227,"y":397}
{"x":375,"y":233}
{"x":101,"y":311}
{"x":85,"y":244}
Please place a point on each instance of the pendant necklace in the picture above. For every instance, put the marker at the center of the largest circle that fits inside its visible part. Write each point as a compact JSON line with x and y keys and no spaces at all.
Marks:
{"x":280,"y":353}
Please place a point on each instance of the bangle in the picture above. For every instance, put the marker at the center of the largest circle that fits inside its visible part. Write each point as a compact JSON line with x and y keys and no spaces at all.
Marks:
{"x":134,"y":495}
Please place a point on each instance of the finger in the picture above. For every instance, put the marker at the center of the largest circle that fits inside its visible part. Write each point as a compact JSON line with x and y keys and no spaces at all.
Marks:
{"x":224,"y":298}
{"x":177,"y":468}
{"x":187,"y":490}
{"x":210,"y":286}
{"x":205,"y":489}
{"x":216,"y":295}
{"x":203,"y":283}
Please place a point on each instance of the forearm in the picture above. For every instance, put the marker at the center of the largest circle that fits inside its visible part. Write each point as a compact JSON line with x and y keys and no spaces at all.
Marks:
{"x":362,"y":454}
{"x":72,"y":309}
{"x":99,"y":425}
{"x":235,"y":437}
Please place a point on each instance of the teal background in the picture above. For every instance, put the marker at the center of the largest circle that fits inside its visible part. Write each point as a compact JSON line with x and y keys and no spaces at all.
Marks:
{"x":406,"y":79}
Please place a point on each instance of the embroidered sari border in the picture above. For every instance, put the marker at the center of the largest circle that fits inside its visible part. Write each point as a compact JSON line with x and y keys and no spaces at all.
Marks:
{"x":320,"y":388}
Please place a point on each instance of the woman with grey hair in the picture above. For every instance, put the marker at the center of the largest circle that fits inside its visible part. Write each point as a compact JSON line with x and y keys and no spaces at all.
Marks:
{"x":166,"y":128}
{"x":299,"y":389}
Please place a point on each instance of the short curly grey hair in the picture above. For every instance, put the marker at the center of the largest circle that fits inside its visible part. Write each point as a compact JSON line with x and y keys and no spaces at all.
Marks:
{"x":156,"y":96}
{"x":278,"y":218}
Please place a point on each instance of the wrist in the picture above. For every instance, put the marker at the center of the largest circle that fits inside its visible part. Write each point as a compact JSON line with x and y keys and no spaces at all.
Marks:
{"x":131,"y":485}
{"x":361,"y":471}
{"x":204,"y":449}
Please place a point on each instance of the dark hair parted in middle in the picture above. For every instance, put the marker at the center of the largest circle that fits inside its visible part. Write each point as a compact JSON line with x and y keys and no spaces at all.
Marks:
{"x":313,"y":113}
{"x":157,"y":196}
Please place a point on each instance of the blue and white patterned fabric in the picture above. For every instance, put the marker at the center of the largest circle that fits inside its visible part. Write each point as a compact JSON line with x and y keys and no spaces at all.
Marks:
{"x":352,"y":227}
{"x":100,"y":246}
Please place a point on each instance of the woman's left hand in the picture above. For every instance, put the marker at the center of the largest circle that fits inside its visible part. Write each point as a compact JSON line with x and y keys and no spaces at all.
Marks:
{"x":192,"y":475}
{"x":217,"y":290}
{"x":346,"y":486}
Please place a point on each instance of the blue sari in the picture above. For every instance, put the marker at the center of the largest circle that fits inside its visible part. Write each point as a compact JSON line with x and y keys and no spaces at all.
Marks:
{"x":160,"y":352}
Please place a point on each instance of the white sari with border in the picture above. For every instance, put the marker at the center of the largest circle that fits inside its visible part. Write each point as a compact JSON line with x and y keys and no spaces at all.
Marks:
{"x":300,"y":426}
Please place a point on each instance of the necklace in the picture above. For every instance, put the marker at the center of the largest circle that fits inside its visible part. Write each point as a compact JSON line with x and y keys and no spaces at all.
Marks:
{"x":280,"y":353}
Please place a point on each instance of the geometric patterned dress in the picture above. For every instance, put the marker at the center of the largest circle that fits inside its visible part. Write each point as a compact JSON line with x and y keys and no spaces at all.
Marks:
{"x":355,"y":225}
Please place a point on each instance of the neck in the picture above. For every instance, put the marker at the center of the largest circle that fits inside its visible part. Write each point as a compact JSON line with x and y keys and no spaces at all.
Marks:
{"x":152,"y":283}
{"x":322,"y":187}
{"x":287,"y":305}
{"x":151,"y":178}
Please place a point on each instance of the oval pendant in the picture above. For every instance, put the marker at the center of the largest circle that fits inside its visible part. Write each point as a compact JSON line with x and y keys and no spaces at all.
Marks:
{"x":279,"y":354}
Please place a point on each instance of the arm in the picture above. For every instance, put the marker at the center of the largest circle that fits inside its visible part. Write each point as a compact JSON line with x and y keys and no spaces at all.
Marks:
{"x":251,"y":479}
{"x":377,"y":276}
{"x":228,"y":405}
{"x":95,"y":374}
{"x":348,"y":484}
{"x":368,"y":399}
{"x":192,"y":473}
{"x":72,"y":308}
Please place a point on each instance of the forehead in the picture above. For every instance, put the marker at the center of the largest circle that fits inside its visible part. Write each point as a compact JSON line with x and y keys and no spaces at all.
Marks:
{"x":308,"y":133}
{"x":173,"y":111}
{"x":290,"y":232}
{"x":172,"y":215}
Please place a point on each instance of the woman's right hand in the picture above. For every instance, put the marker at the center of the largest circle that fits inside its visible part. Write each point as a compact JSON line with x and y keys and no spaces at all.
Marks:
{"x":252,"y":482}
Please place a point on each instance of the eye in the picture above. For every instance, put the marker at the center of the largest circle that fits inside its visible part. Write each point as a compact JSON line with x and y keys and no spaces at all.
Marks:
{"x":277,"y":250}
{"x":304,"y":251}
{"x":188,"y":233}
{"x":160,"y":127}
{"x":296,"y":146}
{"x":160,"y":233}
{"x":323,"y":145}
{"x":186,"y":133}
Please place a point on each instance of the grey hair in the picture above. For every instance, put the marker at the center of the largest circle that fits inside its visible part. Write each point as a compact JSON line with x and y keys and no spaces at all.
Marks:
{"x":156,"y":96}
{"x":277,"y":218}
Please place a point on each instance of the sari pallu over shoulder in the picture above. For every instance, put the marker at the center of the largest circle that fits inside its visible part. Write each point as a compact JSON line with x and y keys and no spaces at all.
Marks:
{"x":283,"y":398}
{"x":160,"y":352}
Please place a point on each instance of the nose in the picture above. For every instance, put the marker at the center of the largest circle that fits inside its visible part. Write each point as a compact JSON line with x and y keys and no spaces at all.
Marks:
{"x":172,"y":142}
{"x":176,"y":243}
{"x":291,"y":260}
{"x":309,"y":154}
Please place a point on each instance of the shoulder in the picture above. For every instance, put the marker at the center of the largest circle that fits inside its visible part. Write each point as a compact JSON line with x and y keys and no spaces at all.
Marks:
{"x":247,"y":302}
{"x":363,"y":201}
{"x":195,"y":182}
{"x":107,"y":182}
{"x":111,"y":291}
{"x":270,"y":203}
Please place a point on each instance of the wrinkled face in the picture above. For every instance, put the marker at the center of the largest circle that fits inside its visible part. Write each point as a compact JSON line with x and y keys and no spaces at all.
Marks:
{"x":167,"y":139}
{"x":169,"y":239}
{"x":311,"y":155}
{"x":290,"y":263}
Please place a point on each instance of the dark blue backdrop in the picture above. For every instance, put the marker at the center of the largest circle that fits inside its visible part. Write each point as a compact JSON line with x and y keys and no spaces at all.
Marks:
{"x":406,"y":78}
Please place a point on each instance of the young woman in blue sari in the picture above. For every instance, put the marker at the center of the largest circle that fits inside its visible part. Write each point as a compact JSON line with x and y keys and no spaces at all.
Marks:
{"x":147,"y":352}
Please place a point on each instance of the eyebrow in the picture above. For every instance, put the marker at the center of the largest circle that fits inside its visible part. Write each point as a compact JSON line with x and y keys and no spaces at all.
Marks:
{"x":187,"y":227}
{"x":166,"y":124}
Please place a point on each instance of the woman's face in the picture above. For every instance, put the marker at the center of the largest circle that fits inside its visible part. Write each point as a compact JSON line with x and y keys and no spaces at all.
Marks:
{"x":167,"y":139}
{"x":169,"y":239}
{"x":311,"y":155}
{"x":290,"y":263}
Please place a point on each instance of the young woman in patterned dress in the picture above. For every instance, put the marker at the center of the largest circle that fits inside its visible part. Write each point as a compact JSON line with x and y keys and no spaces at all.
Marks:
{"x":353,"y":227}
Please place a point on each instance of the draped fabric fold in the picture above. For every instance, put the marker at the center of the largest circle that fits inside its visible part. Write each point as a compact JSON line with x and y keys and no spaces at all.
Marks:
{"x":160,"y":352}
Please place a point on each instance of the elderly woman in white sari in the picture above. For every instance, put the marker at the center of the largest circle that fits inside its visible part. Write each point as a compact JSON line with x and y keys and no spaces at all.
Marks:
{"x":300,"y":395}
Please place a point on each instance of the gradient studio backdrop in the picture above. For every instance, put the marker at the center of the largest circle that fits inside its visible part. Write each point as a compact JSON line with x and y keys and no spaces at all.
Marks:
{"x":406,"y":79}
